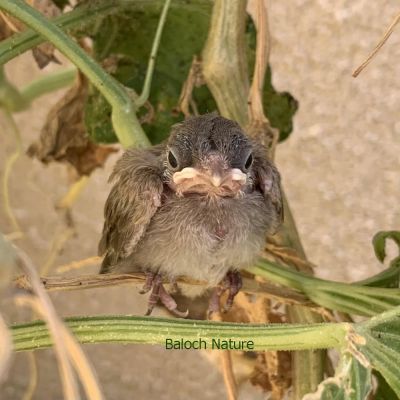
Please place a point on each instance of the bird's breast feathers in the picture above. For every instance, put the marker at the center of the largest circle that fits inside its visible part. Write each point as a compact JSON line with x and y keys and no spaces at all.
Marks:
{"x":202,"y":237}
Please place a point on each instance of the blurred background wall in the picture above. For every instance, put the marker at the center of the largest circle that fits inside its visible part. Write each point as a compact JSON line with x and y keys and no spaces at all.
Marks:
{"x":340,"y":168}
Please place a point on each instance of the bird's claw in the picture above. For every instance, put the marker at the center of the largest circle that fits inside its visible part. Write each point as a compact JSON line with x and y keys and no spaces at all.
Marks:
{"x":148,"y":283}
{"x":231,"y":282}
{"x":158,"y":292}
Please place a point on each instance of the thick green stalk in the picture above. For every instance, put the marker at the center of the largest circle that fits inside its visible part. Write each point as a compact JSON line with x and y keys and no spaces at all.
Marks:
{"x":131,"y":329}
{"x":224,"y":59}
{"x":126,"y":125}
{"x":345,"y":297}
{"x":225,"y":72}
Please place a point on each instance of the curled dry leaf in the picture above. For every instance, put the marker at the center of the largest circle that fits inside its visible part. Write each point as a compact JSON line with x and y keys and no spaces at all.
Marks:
{"x":44,"y":53}
{"x":267,"y":370}
{"x":64,"y":138}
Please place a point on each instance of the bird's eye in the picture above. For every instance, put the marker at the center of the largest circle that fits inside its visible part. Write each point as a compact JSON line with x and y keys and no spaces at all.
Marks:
{"x":173,"y":162}
{"x":248,"y":162}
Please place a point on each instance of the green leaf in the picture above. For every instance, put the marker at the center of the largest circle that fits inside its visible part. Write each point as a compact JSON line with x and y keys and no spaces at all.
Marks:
{"x":352,"y":381}
{"x":388,"y":278}
{"x":377,"y":342}
{"x":129,"y":35}
{"x":280,"y":107}
{"x":379,"y":243}
{"x":384,"y":391}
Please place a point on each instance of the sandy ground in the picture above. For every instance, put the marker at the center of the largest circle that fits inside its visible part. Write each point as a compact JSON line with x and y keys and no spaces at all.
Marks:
{"x":340,"y":169}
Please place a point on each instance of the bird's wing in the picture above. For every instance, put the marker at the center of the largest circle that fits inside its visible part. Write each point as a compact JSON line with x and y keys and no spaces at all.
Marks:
{"x":132,"y":202}
{"x":267,"y":179}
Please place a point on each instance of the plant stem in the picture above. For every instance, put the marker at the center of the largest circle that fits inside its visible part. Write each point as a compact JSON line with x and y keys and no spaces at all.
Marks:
{"x":150,"y":67}
{"x":48,"y":84}
{"x":224,"y":59}
{"x":126,"y":125}
{"x":148,"y":330}
{"x":80,"y":16}
{"x":11,"y":160}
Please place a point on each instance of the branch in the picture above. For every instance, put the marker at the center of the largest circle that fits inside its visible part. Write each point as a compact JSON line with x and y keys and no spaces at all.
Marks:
{"x":59,"y":283}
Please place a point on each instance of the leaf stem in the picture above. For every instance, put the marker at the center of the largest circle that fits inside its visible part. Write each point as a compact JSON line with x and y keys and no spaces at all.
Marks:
{"x":133,"y":329}
{"x":150,"y":67}
{"x":48,"y":83}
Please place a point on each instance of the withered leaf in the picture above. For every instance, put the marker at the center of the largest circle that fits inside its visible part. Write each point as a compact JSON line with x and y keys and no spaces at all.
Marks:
{"x":44,"y":53}
{"x":64,"y":138}
{"x":271,"y":371}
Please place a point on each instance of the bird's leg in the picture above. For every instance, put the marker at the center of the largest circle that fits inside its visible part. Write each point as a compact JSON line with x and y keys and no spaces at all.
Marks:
{"x":156,"y":283}
{"x":148,"y":283}
{"x":158,"y":292}
{"x":231,"y":282}
{"x":170,"y":304}
{"x":234,"y":285}
{"x":213,"y":306}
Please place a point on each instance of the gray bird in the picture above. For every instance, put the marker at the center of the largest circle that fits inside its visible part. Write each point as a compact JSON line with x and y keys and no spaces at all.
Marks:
{"x":198,"y":205}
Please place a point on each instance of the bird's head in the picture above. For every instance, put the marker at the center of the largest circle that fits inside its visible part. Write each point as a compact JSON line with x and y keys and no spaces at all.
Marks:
{"x":208,"y":155}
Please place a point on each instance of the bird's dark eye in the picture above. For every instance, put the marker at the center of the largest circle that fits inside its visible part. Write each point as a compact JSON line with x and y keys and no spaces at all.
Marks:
{"x":249,"y":161}
{"x":173,"y":162}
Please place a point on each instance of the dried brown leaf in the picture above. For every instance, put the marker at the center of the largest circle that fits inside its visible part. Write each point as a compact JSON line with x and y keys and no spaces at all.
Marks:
{"x":271,"y":370}
{"x":64,"y":138}
{"x":44,"y":53}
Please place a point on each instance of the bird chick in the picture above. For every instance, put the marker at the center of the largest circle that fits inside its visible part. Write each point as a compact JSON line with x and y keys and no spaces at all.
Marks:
{"x":198,"y":205}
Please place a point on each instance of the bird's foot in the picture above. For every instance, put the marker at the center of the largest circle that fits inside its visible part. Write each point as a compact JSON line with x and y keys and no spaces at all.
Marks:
{"x":231,"y":282}
{"x":158,"y":293}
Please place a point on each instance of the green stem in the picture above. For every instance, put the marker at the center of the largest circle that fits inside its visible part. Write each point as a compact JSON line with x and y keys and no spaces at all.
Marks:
{"x":80,"y":16}
{"x":345,"y":297}
{"x":131,"y":329}
{"x":126,"y":125}
{"x":48,"y":83}
{"x":150,"y":68}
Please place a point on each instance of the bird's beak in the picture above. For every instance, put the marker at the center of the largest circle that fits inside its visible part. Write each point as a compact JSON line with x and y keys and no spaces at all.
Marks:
{"x":225,"y":183}
{"x":216,"y":180}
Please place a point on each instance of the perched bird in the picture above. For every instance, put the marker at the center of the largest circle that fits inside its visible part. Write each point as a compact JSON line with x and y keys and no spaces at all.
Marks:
{"x":198,"y":205}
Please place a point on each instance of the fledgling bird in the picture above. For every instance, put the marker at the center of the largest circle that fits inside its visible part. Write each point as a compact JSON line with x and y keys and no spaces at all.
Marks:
{"x":198,"y":205}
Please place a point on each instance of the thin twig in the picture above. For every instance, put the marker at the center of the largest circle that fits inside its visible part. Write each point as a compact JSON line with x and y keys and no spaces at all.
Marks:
{"x":193,"y":80}
{"x":33,"y":377}
{"x":57,"y":246}
{"x":11,"y":160}
{"x":5,"y":349}
{"x":57,"y":283}
{"x":79,"y":264}
{"x":73,"y":193}
{"x":378,"y":46}
{"x":259,"y":125}
{"x":61,"y":337}
{"x":150,"y":67}
{"x":227,"y":368}
{"x":43,"y":306}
